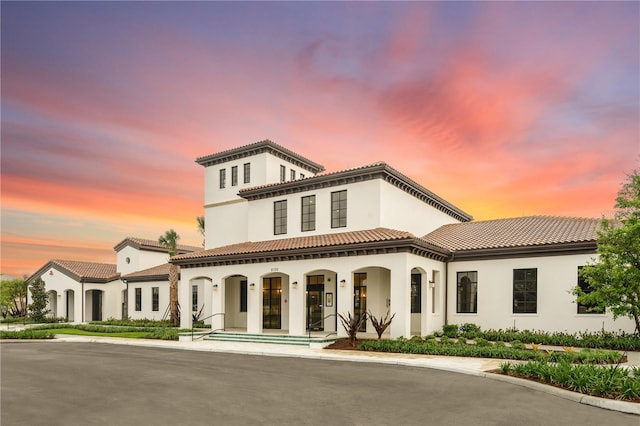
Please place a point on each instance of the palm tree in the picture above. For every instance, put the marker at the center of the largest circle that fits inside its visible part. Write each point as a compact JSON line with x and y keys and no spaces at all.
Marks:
{"x":170,"y":241}
{"x":200,"y":220}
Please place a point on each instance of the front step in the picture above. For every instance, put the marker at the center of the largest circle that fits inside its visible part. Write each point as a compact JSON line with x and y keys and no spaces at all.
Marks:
{"x":276,"y":339}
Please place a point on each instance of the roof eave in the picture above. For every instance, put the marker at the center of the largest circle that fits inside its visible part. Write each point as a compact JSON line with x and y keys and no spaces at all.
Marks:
{"x":556,"y":249}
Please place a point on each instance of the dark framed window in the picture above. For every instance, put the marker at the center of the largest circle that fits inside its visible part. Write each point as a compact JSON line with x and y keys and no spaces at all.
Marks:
{"x":247,"y":172}
{"x":585,"y":287}
{"x":234,"y":176}
{"x":138,"y":299}
{"x":243,"y":296}
{"x":467,"y":292}
{"x":292,"y":174}
{"x":155,"y":298}
{"x":309,"y":213}
{"x":301,"y":175}
{"x":283,"y":173}
{"x":223,"y":178}
{"x":194,"y":298}
{"x":280,"y":217}
{"x":525,"y":291}
{"x":416,"y":293}
{"x":339,"y":209}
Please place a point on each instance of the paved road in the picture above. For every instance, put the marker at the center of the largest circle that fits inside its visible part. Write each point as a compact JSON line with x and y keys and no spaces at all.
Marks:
{"x":100,"y":384}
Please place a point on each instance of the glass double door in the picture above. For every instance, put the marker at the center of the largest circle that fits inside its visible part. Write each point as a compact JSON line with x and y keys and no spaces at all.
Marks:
{"x":272,"y":303}
{"x":315,"y":304}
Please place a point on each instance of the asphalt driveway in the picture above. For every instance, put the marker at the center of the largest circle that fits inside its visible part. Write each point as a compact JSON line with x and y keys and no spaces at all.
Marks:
{"x":104,"y":384}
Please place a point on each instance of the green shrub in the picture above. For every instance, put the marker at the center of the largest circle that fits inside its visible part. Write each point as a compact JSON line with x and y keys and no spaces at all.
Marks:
{"x":164,"y":333}
{"x":517,"y":344}
{"x":450,"y":330}
{"x":27,"y":334}
{"x":462,"y":340}
{"x":469,"y":330}
{"x":480,"y":342}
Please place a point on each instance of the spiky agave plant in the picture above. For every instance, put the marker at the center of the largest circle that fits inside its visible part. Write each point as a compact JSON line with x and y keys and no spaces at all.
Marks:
{"x":381,"y":324}
{"x":351,"y":325}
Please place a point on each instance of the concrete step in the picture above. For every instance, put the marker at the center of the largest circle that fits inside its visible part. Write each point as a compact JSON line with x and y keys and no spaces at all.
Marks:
{"x":278,"y":339}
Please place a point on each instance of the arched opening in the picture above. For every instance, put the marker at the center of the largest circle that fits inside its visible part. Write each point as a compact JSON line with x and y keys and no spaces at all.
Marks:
{"x":235,"y":293}
{"x":69,"y":298}
{"x":52,"y":303}
{"x":320,"y":300}
{"x":371,"y":293}
{"x":93,"y":305}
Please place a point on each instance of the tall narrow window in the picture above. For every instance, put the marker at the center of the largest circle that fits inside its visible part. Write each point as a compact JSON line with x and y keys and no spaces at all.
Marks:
{"x":309,"y":213}
{"x":416,"y":293}
{"x":585,"y":287}
{"x":339,"y":209}
{"x":283,"y":173}
{"x":138,"y":299}
{"x":525,"y":291}
{"x":467,"y":292}
{"x":280,"y":217}
{"x":247,"y":172}
{"x":293,"y":174}
{"x":155,"y":298}
{"x":234,"y":176}
{"x":223,"y":178}
{"x":243,"y":296}
{"x":194,"y":298}
{"x":301,"y":175}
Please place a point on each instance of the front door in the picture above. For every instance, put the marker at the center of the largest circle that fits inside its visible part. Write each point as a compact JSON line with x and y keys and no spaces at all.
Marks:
{"x":315,"y":305}
{"x":360,"y":298}
{"x":96,"y":305}
{"x":271,"y":303}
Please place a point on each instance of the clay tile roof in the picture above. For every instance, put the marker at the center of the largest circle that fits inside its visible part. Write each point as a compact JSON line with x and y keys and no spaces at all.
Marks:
{"x":80,"y":271}
{"x":152,"y":245}
{"x":290,"y":244}
{"x":514,"y":232}
{"x":257,"y":148}
{"x":155,"y":273}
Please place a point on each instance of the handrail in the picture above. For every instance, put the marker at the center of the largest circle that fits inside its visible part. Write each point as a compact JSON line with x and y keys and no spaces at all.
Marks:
{"x":224,"y":326}
{"x":320,"y":322}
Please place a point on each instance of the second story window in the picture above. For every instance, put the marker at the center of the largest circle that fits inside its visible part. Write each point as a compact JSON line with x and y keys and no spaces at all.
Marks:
{"x":280,"y":217}
{"x":234,"y":176}
{"x":339,"y":209}
{"x":247,"y":172}
{"x":309,"y":213}
{"x":293,"y":174}
{"x":283,"y":173}
{"x":223,"y":178}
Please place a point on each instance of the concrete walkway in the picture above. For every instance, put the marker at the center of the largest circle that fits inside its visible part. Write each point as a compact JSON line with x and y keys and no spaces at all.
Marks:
{"x":471,"y":366}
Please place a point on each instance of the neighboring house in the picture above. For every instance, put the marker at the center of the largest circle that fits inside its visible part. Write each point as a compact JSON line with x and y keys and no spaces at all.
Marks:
{"x":80,"y":291}
{"x":287,"y":249}
{"x":105,"y":286}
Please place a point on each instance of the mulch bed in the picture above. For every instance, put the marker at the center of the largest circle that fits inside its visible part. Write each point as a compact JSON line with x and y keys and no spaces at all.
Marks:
{"x":345,"y":345}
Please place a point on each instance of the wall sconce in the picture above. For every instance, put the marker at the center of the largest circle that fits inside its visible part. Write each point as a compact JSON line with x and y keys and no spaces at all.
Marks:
{"x":215,"y":286}
{"x":342,"y":283}
{"x":252,"y":286}
{"x":294,"y":284}
{"x":432,"y":284}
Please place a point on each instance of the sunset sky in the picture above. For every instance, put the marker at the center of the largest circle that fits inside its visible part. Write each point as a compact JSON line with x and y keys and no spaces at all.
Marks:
{"x":504,"y":109}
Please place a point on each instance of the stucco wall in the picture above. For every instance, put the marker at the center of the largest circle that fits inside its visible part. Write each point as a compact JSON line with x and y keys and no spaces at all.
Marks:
{"x":138,"y":259}
{"x":556,"y":310}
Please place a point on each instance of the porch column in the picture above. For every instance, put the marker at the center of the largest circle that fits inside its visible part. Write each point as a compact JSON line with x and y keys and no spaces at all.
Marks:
{"x":254,"y":304}
{"x":218,"y":290}
{"x":184,"y":299}
{"x":297,"y":326}
{"x":401,"y":302}
{"x":344,"y":302}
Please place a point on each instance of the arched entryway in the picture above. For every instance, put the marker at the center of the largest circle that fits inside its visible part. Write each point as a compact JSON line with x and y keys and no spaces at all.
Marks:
{"x":320,"y":300}
{"x":235,"y":291}
{"x":52,"y":303}
{"x":69,"y":302}
{"x":371,"y":293}
{"x":93,"y":305}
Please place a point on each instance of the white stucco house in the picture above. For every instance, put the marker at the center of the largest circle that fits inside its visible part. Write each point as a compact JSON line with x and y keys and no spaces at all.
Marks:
{"x":136,"y":286}
{"x":287,"y":247}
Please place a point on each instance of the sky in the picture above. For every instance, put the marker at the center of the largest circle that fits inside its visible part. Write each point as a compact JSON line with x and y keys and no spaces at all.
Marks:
{"x":504,"y":109}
